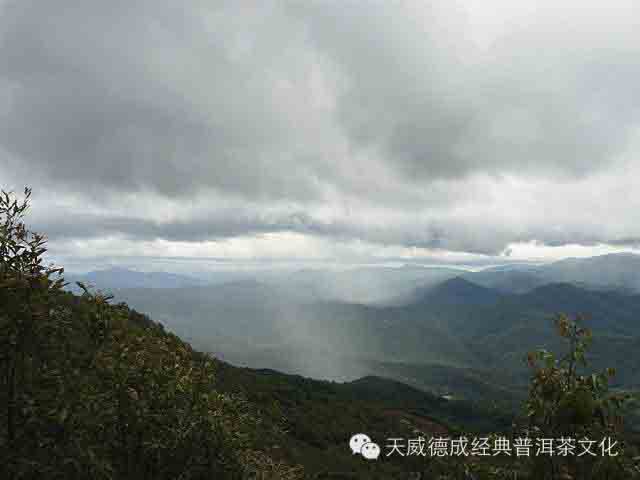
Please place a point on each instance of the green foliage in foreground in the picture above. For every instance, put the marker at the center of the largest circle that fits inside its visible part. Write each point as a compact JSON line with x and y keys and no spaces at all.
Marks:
{"x":91,"y":390}
{"x":94,"y":390}
{"x":567,"y":401}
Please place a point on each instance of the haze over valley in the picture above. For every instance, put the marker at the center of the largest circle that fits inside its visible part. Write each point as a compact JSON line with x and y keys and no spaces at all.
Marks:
{"x":448,"y":330}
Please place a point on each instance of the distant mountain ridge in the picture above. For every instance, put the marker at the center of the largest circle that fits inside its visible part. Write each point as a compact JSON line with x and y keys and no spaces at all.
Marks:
{"x":395,"y":285}
{"x":458,"y":290}
{"x":616,"y":271}
{"x":118,"y":278}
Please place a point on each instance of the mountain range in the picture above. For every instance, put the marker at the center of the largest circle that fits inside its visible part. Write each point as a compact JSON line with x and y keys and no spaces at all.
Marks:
{"x":392,"y":285}
{"x":457,"y":333}
{"x":114,"y":278}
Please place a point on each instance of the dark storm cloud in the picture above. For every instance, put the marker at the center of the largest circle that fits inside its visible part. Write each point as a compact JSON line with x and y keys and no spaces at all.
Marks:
{"x":446,"y":234}
{"x":222,"y":224}
{"x":143,"y":94}
{"x":396,"y":123}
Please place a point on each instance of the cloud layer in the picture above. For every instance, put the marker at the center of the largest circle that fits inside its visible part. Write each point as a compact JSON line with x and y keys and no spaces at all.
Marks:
{"x":448,"y":126}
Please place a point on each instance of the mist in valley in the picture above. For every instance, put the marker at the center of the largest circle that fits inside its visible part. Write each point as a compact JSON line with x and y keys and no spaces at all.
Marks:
{"x":437,"y":328}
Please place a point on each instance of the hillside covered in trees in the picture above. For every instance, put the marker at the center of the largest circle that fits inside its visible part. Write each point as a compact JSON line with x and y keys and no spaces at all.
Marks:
{"x":93,"y":389}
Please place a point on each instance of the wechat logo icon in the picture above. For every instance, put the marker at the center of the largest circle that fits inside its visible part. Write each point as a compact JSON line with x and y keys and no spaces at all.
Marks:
{"x":361,"y":444}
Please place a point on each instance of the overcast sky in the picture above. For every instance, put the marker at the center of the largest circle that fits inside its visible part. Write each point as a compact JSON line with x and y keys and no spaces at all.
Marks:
{"x":327,"y":130}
